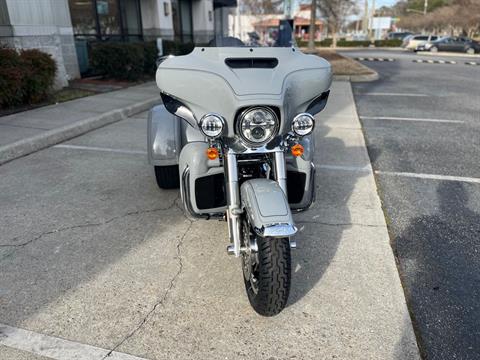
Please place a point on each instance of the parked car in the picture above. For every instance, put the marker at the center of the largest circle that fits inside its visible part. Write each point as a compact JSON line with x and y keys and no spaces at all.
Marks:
{"x":412,"y":42}
{"x":452,"y":43}
{"x":398,"y":35}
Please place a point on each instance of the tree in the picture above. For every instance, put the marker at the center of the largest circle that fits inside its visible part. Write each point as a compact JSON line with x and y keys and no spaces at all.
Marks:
{"x":311,"y":30}
{"x":461,"y":17}
{"x":335,"y":13}
{"x":262,"y":7}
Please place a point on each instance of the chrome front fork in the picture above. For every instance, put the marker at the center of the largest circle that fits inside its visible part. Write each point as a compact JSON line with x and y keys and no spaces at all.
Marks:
{"x":234,"y":209}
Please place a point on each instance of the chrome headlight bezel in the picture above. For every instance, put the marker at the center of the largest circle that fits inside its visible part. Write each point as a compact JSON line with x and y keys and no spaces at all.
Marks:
{"x":296,"y":121}
{"x":240,"y":126}
{"x":203,"y":120}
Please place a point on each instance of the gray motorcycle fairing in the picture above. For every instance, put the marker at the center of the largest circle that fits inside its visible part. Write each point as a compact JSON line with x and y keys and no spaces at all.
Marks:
{"x":204,"y":83}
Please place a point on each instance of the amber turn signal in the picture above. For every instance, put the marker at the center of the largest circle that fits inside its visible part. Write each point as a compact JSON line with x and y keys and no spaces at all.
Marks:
{"x":212,"y":153}
{"x":297,"y":150}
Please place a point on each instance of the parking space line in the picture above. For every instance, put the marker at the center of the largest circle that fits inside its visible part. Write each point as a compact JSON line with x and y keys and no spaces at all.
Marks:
{"x":411,"y":119}
{"x":94,"y":148}
{"x":391,"y":94}
{"x":430,"y":176}
{"x":54,"y":347}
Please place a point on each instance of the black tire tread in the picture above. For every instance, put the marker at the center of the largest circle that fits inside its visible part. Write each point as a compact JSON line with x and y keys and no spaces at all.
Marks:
{"x":274,"y":276}
{"x":167,"y":177}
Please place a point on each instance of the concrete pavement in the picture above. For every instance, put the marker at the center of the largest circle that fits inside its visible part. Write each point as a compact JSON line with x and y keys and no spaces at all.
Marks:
{"x":29,"y":131}
{"x":91,"y":251}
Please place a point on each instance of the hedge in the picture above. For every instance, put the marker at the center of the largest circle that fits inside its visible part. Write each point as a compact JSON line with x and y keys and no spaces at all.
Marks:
{"x":132,"y":61}
{"x":388,"y":42}
{"x":26,"y":76}
{"x":353,"y":43}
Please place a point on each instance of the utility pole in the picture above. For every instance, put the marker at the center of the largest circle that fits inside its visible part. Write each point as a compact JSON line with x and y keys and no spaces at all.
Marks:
{"x":311,"y":30}
{"x":365,"y":25}
{"x":372,"y":15}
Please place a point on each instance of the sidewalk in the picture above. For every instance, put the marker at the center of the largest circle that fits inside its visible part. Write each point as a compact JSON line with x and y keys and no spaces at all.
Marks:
{"x":29,"y":131}
{"x":109,"y":262}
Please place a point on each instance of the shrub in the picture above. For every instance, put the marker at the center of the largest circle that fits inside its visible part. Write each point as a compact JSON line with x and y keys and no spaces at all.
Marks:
{"x":10,"y":78}
{"x":39,"y":74}
{"x":353,"y":43}
{"x":323,"y":43}
{"x":123,"y":61}
{"x":177,"y":48}
{"x":26,"y":77}
{"x":388,"y":42}
{"x":150,"y":52}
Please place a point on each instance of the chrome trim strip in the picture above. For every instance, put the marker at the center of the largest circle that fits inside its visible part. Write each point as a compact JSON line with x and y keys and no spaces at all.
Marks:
{"x":280,"y":170}
{"x":277,"y":230}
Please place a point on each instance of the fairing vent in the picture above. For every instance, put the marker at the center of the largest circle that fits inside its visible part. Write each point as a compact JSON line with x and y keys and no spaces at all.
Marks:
{"x":251,"y":63}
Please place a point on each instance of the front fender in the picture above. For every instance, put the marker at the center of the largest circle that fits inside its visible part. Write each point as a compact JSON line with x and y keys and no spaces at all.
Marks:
{"x":267,"y":208}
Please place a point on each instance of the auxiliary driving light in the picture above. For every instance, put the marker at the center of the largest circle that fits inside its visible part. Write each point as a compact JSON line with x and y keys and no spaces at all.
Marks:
{"x":212,"y":125}
{"x":303,"y":124}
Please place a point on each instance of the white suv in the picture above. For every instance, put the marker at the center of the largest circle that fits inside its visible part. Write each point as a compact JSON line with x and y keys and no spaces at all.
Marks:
{"x":412,"y":42}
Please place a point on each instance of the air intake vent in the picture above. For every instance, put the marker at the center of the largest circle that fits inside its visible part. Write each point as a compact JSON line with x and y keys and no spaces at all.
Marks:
{"x":256,"y":63}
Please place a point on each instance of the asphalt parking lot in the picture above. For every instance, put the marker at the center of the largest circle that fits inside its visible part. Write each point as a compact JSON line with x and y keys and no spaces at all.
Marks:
{"x":422,"y":126}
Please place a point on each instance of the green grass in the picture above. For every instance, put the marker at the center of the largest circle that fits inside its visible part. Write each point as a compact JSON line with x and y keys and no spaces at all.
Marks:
{"x":68,"y":94}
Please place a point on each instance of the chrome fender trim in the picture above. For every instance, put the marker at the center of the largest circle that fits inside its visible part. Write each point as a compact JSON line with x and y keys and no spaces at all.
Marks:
{"x":267,"y":208}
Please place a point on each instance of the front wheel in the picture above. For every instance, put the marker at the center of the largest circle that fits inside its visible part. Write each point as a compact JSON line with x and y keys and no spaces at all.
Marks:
{"x":267,"y":272}
{"x":434,"y":49}
{"x":470,"y":51}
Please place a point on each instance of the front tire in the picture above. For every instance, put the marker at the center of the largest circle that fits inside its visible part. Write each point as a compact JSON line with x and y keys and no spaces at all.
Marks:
{"x":267,"y":281}
{"x":470,"y":51}
{"x":434,"y":49}
{"x":167,"y":177}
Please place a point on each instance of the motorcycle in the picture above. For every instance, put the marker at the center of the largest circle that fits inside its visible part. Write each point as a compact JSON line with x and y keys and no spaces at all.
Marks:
{"x":234,"y":133}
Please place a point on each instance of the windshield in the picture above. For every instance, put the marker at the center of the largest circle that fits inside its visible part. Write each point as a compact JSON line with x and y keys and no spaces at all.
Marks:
{"x":245,"y":28}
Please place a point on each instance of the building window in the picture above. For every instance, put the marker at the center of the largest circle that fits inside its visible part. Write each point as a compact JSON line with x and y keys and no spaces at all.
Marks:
{"x":106,"y":19}
{"x":166,"y":9}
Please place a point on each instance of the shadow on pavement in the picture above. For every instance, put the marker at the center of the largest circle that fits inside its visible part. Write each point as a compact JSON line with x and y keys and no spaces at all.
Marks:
{"x":441,"y":274}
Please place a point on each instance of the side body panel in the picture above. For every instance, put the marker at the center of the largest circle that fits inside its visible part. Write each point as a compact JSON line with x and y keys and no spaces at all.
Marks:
{"x":163,"y":137}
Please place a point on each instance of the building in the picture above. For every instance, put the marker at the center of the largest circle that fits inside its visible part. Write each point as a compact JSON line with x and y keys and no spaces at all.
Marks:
{"x":241,"y":25}
{"x":64,"y":28}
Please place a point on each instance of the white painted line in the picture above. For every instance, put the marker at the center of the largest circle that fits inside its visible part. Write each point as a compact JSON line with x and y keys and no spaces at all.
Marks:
{"x":366,"y":168}
{"x":391,"y":94}
{"x":430,"y":176}
{"x":93,"y":148}
{"x":55,"y":348}
{"x":411,"y":119}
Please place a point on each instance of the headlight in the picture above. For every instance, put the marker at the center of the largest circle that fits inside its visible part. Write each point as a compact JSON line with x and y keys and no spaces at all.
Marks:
{"x":212,"y":125}
{"x":303,"y":124}
{"x":258,"y":125}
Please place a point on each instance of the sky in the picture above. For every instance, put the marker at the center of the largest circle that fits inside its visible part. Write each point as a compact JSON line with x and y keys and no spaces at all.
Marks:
{"x":380,"y":3}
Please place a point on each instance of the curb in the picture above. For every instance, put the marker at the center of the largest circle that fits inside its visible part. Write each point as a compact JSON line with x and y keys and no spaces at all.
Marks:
{"x":448,"y":54}
{"x":51,"y":137}
{"x":472,"y":63}
{"x":357,"y":78}
{"x":374,"y":59}
{"x":434,"y":61}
